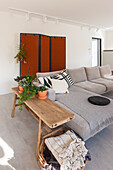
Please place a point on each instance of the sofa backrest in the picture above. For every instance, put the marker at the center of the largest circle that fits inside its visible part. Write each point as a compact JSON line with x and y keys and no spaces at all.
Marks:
{"x":105,"y":71}
{"x":46,"y":74}
{"x":78,"y":74}
{"x":92,"y":73}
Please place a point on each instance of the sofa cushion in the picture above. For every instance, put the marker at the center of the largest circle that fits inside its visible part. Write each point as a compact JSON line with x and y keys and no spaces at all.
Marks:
{"x":63,"y":75}
{"x":46,"y":74}
{"x":45,"y":81}
{"x":78,"y":74}
{"x":103,"y":81}
{"x":108,"y":77}
{"x":60,"y":86}
{"x":97,"y":88}
{"x":92,"y":73}
{"x":105,"y":71}
{"x":96,"y":116}
{"x":79,"y":124}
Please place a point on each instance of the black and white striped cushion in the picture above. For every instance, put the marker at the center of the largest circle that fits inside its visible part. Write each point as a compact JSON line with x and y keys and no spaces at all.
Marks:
{"x":45,"y":81}
{"x":64,"y":75}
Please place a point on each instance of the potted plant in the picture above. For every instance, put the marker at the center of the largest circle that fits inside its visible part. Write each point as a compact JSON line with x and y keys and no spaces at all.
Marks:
{"x":21,"y":56}
{"x":24,"y":81}
{"x":28,"y":92}
{"x":21,"y":84}
{"x":42,"y":92}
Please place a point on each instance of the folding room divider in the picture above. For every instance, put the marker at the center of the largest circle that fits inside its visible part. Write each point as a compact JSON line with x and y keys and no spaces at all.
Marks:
{"x":44,"y":53}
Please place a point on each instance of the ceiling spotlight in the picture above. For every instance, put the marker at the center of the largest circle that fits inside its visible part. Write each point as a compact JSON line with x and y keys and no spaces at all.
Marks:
{"x":28,"y":16}
{"x":57,"y":21}
{"x":89,"y":28}
{"x":97,"y":29}
{"x":44,"y":19}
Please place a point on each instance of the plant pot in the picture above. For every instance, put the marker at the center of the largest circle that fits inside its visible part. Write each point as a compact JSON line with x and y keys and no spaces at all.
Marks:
{"x":42,"y":95}
{"x":32,"y":96}
{"x":20,"y":89}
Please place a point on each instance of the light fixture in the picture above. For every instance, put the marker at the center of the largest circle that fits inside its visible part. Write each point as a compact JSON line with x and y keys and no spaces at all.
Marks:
{"x":28,"y":16}
{"x":45,"y":17}
{"x":97,"y":29}
{"x":57,"y":21}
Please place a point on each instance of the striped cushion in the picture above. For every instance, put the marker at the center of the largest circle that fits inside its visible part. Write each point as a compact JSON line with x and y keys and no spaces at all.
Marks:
{"x":45,"y":81}
{"x":64,"y":75}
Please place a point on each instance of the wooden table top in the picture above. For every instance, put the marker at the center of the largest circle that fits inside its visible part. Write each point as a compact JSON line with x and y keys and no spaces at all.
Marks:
{"x":48,"y":111}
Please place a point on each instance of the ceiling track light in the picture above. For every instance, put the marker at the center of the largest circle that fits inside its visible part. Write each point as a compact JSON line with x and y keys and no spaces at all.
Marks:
{"x":45,"y":17}
{"x":97,"y":30}
{"x":28,"y":16}
{"x":57,"y":21}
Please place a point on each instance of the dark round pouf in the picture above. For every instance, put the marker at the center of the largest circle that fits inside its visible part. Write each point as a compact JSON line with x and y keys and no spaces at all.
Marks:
{"x":98,"y":100}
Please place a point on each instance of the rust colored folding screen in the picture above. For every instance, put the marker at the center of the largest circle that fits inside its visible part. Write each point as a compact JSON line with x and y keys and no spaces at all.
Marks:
{"x":45,"y":54}
{"x":31,"y":48}
{"x":57,"y":53}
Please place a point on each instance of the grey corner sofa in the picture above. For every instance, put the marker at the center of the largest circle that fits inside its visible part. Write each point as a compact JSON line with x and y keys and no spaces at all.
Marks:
{"x":88,"y":81}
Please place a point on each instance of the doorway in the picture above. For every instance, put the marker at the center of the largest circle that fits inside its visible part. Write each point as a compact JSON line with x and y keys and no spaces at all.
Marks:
{"x":96,"y":52}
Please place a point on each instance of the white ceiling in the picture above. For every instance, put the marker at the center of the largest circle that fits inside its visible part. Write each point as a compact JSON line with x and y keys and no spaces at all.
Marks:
{"x":99,"y":13}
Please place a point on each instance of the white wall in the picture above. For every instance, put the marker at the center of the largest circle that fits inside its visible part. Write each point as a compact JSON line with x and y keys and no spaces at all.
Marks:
{"x":78,"y":43}
{"x":108,"y":40}
{"x":108,"y":55}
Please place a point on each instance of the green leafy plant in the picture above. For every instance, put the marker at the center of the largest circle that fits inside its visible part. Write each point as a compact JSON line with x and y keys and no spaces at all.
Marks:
{"x":28,"y":92}
{"x":42,"y":88}
{"x":24,"y":80}
{"x":18,"y":78}
{"x":21,"y":56}
{"x":29,"y":78}
{"x":23,"y":83}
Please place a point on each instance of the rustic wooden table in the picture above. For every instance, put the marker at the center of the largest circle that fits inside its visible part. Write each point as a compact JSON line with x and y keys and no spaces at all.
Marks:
{"x":49,"y":115}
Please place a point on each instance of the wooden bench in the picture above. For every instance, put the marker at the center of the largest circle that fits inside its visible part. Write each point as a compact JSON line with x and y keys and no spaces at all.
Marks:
{"x":49,"y":115}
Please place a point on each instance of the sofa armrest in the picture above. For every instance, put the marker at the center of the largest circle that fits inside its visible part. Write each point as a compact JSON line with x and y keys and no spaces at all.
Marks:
{"x":51,"y":94}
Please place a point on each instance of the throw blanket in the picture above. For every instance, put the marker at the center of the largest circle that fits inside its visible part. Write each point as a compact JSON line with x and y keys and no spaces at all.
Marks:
{"x":68,"y":149}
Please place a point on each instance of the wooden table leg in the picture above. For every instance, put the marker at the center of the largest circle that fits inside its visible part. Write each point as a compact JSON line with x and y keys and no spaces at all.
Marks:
{"x":13,"y":111}
{"x":39,"y":139}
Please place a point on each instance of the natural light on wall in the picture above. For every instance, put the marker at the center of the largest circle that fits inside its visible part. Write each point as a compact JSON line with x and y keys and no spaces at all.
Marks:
{"x":8,"y":154}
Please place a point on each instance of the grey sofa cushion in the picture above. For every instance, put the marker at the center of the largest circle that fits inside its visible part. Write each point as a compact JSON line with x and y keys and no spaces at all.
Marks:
{"x":97,"y":117}
{"x":46,"y":74}
{"x":78,"y":74}
{"x":92,"y":73}
{"x":103,"y":81}
{"x":96,"y":88}
{"x":105,"y":71}
{"x":108,"y":77}
{"x":79,"y":125}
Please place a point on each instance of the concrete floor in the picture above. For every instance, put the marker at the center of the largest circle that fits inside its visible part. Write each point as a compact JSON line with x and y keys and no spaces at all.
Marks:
{"x":19,"y":137}
{"x":20,"y":134}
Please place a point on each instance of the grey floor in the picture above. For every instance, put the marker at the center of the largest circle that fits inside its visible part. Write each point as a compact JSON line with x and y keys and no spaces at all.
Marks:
{"x":20,"y":134}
